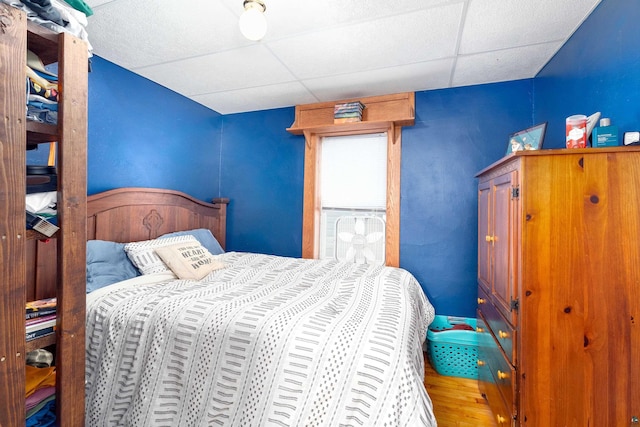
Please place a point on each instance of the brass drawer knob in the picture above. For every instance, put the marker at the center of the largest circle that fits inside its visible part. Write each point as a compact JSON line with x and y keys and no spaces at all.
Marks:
{"x":503,"y":334}
{"x":479,"y":329}
{"x":481,"y":301}
{"x":500,"y":419}
{"x":502,"y":375}
{"x":481,"y":362}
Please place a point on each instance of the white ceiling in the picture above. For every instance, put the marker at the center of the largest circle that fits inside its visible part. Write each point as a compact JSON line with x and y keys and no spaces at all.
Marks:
{"x":325,"y":50}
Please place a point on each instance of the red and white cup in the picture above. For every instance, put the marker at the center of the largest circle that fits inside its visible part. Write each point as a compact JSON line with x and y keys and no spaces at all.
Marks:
{"x":577,"y":131}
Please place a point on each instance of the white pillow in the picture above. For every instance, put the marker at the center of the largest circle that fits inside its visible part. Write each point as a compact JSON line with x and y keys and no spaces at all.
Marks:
{"x":143,"y":254}
{"x":189,"y":260}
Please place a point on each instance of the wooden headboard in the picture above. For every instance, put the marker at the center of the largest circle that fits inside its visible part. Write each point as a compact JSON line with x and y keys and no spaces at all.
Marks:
{"x":133,"y":214}
{"x":127,"y":215}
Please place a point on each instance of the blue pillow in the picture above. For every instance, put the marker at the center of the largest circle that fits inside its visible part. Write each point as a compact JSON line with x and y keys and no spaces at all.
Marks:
{"x":107,"y":263}
{"x":203,"y":235}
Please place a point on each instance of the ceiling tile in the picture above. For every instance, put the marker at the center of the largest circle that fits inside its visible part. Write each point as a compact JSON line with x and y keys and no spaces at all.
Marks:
{"x":257,"y":98}
{"x":420,"y":36}
{"x":135,"y":34}
{"x":292,"y":17}
{"x":498,"y":24}
{"x":234,"y":69}
{"x":403,"y":78}
{"x":503,"y":65}
{"x":95,"y":3}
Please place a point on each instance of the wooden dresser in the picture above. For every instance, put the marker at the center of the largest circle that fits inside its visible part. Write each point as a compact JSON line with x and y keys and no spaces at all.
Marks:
{"x":559,"y":287}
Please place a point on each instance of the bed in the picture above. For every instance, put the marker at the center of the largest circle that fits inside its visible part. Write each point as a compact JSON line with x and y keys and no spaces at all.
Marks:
{"x":259,"y":340}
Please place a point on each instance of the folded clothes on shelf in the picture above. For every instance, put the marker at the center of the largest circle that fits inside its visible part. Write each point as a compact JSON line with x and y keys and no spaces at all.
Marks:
{"x":42,"y":202}
{"x":72,"y":13}
{"x":42,"y":91}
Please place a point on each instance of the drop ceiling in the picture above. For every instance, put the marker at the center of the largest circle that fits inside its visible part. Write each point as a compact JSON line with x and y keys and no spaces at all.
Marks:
{"x":325,"y":50}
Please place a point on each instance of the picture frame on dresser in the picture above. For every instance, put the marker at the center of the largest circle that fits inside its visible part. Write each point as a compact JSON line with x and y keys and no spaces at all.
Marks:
{"x":527,"y":139}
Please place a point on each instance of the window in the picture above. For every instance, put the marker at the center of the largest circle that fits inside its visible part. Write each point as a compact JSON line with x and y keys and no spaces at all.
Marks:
{"x":353,"y":197}
{"x":382,"y":115}
{"x":312,"y":195}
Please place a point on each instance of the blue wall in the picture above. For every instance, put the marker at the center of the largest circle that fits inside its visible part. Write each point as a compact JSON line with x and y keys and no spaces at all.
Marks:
{"x":457,"y":133}
{"x":262,"y":172}
{"x":141,"y":134}
{"x":598,"y":69}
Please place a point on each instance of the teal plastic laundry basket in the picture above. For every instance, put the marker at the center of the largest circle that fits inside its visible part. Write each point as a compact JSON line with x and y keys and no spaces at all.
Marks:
{"x":453,"y":353}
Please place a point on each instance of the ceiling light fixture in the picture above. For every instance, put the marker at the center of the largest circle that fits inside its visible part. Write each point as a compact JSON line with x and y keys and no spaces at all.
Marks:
{"x":253,"y":24}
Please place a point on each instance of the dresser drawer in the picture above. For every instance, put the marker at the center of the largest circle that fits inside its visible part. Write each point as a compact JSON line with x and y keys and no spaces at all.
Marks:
{"x":501,"y":412}
{"x":497,"y":391}
{"x":502,"y":330}
{"x":486,"y":346}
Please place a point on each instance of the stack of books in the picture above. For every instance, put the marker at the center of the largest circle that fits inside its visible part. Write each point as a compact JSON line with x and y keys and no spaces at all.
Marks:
{"x":41,"y":318}
{"x":348,"y":112}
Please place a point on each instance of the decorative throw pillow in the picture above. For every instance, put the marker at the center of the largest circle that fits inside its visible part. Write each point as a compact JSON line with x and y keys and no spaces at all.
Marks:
{"x":189,"y":260}
{"x":143,"y":254}
{"x":107,"y":263}
{"x":203,"y":235}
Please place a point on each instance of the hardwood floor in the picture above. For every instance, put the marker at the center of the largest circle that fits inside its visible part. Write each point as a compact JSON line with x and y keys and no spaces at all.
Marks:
{"x":456,"y":401}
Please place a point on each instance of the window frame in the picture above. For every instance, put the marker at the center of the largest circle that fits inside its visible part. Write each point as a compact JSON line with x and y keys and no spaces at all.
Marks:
{"x":388,"y":113}
{"x":312,"y":204}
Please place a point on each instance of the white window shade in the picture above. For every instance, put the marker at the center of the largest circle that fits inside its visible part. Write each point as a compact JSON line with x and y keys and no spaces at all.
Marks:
{"x":353,"y":171}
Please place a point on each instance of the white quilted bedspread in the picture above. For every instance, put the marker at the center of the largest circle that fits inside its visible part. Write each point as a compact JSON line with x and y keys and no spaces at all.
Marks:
{"x":266,"y":341}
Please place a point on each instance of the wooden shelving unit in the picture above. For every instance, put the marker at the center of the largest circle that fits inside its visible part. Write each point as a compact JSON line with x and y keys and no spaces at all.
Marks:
{"x":40,"y":343}
{"x":71,"y":136}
